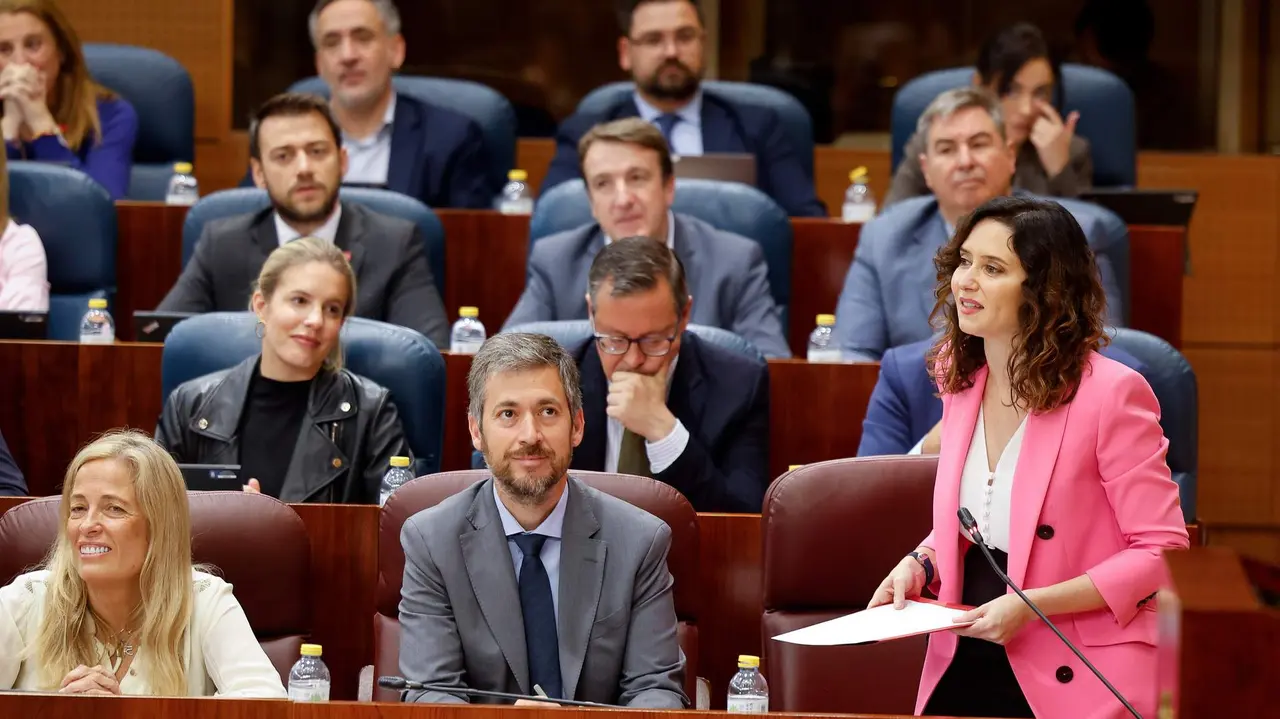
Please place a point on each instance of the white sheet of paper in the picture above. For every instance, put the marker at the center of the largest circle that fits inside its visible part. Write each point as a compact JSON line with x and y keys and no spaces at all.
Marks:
{"x":874,"y":625}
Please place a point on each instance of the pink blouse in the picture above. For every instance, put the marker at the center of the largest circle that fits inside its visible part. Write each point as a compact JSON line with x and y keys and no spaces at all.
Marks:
{"x":24,"y":279}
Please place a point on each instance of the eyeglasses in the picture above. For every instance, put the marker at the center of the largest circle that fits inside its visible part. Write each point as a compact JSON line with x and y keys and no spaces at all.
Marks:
{"x":656,"y":40}
{"x":650,"y":346}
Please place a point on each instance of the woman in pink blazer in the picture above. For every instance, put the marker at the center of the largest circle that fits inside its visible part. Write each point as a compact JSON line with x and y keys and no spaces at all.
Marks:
{"x":1058,"y":454}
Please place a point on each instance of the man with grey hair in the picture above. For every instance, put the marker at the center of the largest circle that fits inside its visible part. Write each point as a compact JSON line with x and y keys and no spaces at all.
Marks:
{"x":394,"y":140}
{"x":531,"y":580}
{"x":888,"y":294}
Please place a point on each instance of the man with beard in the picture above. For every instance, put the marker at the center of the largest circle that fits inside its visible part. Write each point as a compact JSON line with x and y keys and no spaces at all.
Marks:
{"x":889,"y":292}
{"x":662,"y":47}
{"x":531,"y":579}
{"x":296,"y":155}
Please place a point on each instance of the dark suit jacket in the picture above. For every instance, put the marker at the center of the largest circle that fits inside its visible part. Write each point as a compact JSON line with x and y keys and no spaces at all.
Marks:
{"x":905,"y":405}
{"x":722,"y":398}
{"x":12,"y":483}
{"x":437,"y":156}
{"x":727,"y":277}
{"x":726,"y":127}
{"x":388,"y":254}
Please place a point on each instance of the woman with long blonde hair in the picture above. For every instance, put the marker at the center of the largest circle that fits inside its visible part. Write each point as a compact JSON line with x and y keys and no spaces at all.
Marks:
{"x":53,"y":110}
{"x":118,"y":607}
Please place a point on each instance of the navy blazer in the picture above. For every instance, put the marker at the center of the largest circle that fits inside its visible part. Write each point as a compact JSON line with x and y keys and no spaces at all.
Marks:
{"x":437,"y":156}
{"x":726,"y":127}
{"x":888,"y":293}
{"x":722,"y":398}
{"x":905,"y":405}
{"x":12,"y":483}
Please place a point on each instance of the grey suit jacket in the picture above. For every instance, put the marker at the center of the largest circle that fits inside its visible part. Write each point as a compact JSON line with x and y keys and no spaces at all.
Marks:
{"x":726,"y":273}
{"x":460,"y":622}
{"x":388,"y":254}
{"x":888,"y":293}
{"x":1028,"y":175}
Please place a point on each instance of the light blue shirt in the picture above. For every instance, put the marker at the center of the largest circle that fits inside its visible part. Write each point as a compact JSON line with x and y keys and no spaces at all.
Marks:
{"x":553,"y":527}
{"x":686,"y":136}
{"x":369,"y":158}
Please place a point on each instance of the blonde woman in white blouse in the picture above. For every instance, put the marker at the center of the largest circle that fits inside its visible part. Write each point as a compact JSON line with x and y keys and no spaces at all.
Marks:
{"x":118,"y":607}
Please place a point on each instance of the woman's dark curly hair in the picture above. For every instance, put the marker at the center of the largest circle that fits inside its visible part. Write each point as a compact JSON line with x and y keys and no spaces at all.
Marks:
{"x":1060,"y":321}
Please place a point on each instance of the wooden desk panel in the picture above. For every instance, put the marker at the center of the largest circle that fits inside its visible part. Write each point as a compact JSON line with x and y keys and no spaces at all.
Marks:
{"x":821,"y":253}
{"x":148,"y":258}
{"x":485,"y":259}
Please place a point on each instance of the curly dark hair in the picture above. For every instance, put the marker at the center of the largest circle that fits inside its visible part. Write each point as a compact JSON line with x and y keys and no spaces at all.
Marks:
{"x":1061,"y":318}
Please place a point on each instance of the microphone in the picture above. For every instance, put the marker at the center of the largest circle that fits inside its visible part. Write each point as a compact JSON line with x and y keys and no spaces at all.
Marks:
{"x":971,"y":526}
{"x":400,"y":684}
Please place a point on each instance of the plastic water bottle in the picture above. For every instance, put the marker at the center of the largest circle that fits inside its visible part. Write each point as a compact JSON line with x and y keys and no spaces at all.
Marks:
{"x":821,"y":348}
{"x":395,"y":478}
{"x":468,"y":333}
{"x":859,"y":205}
{"x":183,"y":188}
{"x":748,"y":691}
{"x":516,"y":198}
{"x":309,"y":678}
{"x":97,"y":327}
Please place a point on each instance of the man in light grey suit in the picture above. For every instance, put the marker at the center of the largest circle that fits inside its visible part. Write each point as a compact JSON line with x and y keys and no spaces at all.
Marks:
{"x":531,"y":578}
{"x":631,"y":185}
{"x":889,"y":292}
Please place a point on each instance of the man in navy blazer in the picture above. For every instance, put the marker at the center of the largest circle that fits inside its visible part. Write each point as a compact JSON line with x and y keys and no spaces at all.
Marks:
{"x":12,"y":483}
{"x":659,"y":402}
{"x":888,"y":293}
{"x":905,"y":407}
{"x":393,"y":140}
{"x":663,"y":50}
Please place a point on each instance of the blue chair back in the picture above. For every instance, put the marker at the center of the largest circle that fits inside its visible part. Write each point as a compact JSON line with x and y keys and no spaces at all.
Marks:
{"x":1174,"y":384}
{"x":729,"y":206}
{"x":796,"y":123}
{"x":160,"y":90}
{"x":398,"y":358}
{"x":492,"y":111}
{"x":571,"y":333}
{"x":245,"y":200}
{"x":1104,"y":101}
{"x":76,"y":221}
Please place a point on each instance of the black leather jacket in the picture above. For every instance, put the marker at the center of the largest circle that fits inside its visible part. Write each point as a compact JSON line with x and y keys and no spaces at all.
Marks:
{"x":348,"y":437}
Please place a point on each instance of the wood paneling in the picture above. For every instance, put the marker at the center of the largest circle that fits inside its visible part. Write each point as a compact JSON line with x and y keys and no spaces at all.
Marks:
{"x":533,"y":155}
{"x":732,"y":593}
{"x":148,"y":258}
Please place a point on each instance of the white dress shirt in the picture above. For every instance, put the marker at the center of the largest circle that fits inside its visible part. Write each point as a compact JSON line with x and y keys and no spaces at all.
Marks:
{"x":662,"y":454}
{"x":987,"y":494}
{"x":369,"y":158}
{"x":327,"y":232}
{"x":221,"y":655}
{"x":686,"y":134}
{"x":552,"y":527}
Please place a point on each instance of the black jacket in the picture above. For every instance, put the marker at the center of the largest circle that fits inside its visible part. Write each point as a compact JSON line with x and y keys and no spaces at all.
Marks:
{"x":388,"y":255}
{"x":348,"y":437}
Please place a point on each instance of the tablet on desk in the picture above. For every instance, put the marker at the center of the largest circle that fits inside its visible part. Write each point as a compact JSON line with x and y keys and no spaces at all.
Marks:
{"x":212,"y":477}
{"x":1146,"y":207}
{"x":152,"y":326}
{"x":24,"y":325}
{"x":723,"y":166}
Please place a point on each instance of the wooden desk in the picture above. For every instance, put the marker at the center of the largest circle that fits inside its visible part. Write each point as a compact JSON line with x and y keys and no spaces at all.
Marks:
{"x":487,"y":252}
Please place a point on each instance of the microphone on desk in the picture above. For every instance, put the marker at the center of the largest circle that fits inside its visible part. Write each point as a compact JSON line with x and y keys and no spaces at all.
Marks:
{"x":400,"y":684}
{"x":971,"y":527}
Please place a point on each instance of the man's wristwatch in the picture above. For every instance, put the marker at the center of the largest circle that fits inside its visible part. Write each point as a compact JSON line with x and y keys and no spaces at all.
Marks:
{"x":925,"y":562}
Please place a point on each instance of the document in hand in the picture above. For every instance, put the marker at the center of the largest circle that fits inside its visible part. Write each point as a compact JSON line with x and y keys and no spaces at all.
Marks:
{"x":877,"y":625}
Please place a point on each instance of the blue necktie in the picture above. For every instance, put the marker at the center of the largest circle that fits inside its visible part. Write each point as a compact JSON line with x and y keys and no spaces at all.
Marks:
{"x":540,"y":637}
{"x":666,"y":123}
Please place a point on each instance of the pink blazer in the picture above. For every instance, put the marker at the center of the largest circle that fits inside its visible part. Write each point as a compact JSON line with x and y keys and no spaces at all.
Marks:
{"x":24,"y":280}
{"x":1092,"y":495}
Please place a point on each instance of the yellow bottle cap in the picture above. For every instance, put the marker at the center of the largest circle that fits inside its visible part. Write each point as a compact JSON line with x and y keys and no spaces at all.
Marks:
{"x":312,"y":650}
{"x":399,"y":461}
{"x":794,"y":467}
{"x":97,"y":303}
{"x":746,"y":660}
{"x":859,"y":174}
{"x":826,"y":320}
{"x":184,"y":168}
{"x":469,"y":311}
{"x":517,"y":175}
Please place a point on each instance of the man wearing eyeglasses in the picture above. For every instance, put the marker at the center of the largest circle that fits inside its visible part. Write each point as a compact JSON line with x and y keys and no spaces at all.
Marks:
{"x":663,"y":48}
{"x":657,"y":401}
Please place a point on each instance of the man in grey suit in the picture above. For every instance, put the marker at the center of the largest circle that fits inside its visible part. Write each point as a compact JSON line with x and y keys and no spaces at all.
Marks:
{"x":889,"y":293}
{"x":631,"y":184}
{"x":296,"y":154}
{"x":532,"y":580}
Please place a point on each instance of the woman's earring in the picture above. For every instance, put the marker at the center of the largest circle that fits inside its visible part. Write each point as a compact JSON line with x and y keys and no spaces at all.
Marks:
{"x":260,"y":329}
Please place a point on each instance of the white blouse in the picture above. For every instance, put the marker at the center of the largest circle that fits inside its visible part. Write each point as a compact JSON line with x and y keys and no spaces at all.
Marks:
{"x":222,"y":656}
{"x":986,"y":494}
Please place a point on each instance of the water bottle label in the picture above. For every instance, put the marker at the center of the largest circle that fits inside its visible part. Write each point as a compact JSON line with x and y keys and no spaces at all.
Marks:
{"x":858,"y":212}
{"x":825,"y":355}
{"x":317,"y":692}
{"x":748,"y":705}
{"x":463,"y":347}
